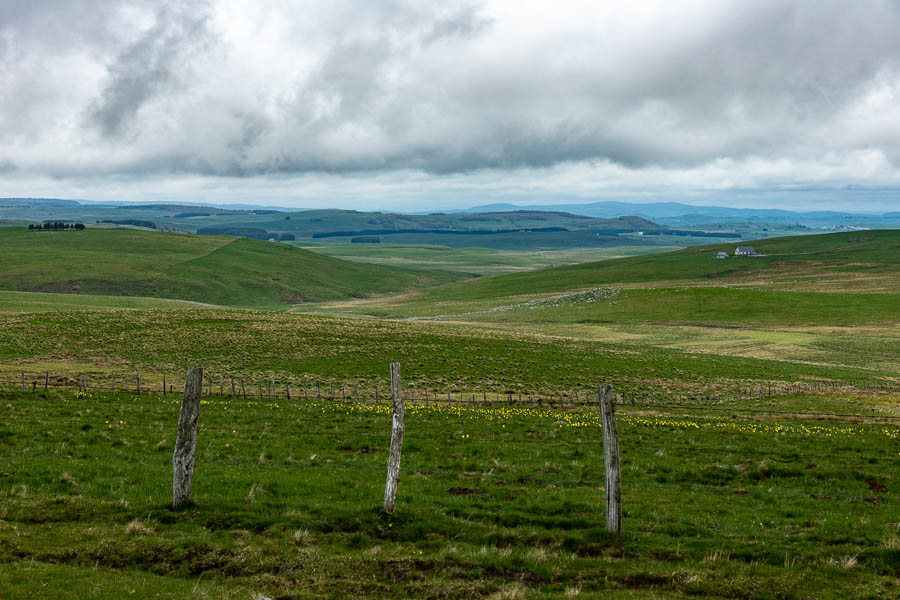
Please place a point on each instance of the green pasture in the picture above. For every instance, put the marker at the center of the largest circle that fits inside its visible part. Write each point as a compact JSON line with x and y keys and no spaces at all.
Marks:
{"x":483,"y":261}
{"x":39,"y":302}
{"x":441,"y":356}
{"x":210,"y":269}
{"x":866,"y":254}
{"x":494,"y":502}
{"x":677,"y":305}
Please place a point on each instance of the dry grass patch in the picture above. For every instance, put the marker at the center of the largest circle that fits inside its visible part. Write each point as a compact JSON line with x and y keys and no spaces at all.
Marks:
{"x":135,"y":527}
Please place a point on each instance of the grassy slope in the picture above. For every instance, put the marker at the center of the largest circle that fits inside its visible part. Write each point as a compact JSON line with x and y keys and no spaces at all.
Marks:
{"x":213,"y":269}
{"x":788,"y":279}
{"x":832,"y":252}
{"x":39,"y":302}
{"x":473,"y":260}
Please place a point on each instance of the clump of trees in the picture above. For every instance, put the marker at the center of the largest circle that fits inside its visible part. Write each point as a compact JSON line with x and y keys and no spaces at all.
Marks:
{"x":56,"y":226}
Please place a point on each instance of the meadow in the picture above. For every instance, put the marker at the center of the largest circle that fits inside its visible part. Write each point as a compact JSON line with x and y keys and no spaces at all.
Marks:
{"x":201,"y":268}
{"x":758,"y":430}
{"x":855,"y":262}
{"x":287,"y":500}
{"x":479,"y":260}
{"x":444,"y":356}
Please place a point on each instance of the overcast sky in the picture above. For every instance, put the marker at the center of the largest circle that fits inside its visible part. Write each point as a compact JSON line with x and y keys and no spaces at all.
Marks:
{"x":392,"y":104}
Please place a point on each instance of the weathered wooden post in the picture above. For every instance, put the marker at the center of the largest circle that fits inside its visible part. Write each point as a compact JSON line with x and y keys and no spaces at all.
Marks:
{"x":46,"y":379}
{"x":138,"y":382}
{"x":397,"y":430}
{"x":611,"y":459}
{"x":186,"y":441}
{"x":164,"y":384}
{"x":23,"y":381}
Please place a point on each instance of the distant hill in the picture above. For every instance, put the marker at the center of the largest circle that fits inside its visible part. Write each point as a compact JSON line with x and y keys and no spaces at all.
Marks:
{"x":211,"y":269}
{"x":678,"y":214}
{"x":39,"y":202}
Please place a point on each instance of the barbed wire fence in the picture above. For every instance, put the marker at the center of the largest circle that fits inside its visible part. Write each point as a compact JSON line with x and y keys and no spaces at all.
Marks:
{"x":310,"y":387}
{"x":266,"y":392}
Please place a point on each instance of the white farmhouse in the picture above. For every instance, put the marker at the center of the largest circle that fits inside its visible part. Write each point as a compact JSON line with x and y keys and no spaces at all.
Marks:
{"x":722,"y":255}
{"x":744,"y":251}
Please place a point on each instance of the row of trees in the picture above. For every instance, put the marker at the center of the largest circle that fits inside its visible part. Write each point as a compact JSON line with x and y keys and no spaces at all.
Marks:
{"x":56,"y":226}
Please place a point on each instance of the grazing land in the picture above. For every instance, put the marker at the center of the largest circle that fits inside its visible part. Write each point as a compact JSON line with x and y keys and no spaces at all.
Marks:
{"x":479,"y":260}
{"x":212,"y":269}
{"x":858,"y":262}
{"x":759,"y":432}
{"x":494,"y":501}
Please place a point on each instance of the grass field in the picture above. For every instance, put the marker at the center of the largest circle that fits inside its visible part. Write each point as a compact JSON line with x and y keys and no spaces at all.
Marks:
{"x":441,"y":356}
{"x":738,"y":482}
{"x":858,"y":261}
{"x":483,"y":261}
{"x":211,"y":269}
{"x":41,"y":302}
{"x":287,"y":500}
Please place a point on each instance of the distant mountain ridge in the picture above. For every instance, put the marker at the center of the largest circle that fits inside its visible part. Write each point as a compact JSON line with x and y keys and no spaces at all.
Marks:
{"x":673,"y":213}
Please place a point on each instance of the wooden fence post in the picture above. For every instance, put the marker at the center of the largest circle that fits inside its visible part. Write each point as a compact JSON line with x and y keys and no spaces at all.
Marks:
{"x":46,"y":379}
{"x":138,"y":382}
{"x":186,"y":442}
{"x":23,"y":381}
{"x":164,"y":384}
{"x":611,"y":459}
{"x":397,"y":430}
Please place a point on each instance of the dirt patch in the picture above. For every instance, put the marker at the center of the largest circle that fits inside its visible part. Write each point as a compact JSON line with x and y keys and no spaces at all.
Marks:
{"x":875,"y":486}
{"x":462,"y":491}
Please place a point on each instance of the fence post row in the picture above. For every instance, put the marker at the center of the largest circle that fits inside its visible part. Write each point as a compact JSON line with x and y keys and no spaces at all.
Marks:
{"x":186,"y":442}
{"x":611,"y":459}
{"x":397,"y":429}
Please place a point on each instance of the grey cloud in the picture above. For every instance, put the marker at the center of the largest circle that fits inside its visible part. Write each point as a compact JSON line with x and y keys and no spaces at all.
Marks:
{"x":392,"y":84}
{"x":464,"y":22}
{"x":149,"y":66}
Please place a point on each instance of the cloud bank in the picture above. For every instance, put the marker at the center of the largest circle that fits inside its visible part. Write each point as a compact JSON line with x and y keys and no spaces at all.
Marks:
{"x":499,"y":97}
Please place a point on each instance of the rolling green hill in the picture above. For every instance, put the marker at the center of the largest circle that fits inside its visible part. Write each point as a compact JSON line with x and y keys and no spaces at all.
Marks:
{"x":832,"y":278}
{"x":210,"y":269}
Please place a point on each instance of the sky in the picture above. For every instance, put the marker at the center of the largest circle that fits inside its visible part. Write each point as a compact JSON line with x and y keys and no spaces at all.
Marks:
{"x":406,"y":105}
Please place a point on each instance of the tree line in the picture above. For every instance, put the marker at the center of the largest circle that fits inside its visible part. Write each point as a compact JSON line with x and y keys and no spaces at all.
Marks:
{"x":55,"y":226}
